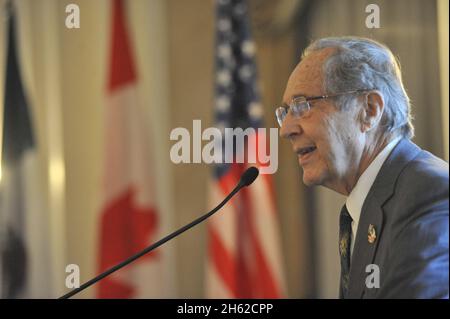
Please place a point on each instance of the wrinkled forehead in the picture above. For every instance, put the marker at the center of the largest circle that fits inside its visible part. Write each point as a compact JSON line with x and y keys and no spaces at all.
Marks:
{"x":307,"y":77}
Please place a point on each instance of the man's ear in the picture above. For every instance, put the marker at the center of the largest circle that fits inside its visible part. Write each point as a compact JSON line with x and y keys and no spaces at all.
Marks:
{"x":373,"y":106}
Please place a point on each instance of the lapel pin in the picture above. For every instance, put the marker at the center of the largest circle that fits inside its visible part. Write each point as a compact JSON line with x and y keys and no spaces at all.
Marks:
{"x":371,"y":234}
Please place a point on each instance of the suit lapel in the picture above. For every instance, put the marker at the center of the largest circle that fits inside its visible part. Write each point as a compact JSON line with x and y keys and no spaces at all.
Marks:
{"x":372,"y":214}
{"x":364,"y":250}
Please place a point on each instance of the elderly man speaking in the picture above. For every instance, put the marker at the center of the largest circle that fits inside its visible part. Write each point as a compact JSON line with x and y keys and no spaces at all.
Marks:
{"x":347,"y":116}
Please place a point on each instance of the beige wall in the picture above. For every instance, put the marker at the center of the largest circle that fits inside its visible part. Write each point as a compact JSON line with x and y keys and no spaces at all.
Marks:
{"x":191,"y":89}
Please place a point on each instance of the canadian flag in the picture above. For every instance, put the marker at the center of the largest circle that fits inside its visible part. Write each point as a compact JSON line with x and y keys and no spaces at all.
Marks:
{"x":129,"y":219}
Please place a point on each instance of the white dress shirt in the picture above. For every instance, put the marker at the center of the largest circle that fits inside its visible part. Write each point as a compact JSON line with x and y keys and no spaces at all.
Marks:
{"x":356,"y":198}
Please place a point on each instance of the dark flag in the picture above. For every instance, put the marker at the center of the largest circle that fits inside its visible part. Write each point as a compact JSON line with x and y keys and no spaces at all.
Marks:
{"x":17,"y":140}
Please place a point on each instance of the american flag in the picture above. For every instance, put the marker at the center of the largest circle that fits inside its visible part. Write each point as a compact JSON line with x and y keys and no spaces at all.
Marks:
{"x":244,"y":252}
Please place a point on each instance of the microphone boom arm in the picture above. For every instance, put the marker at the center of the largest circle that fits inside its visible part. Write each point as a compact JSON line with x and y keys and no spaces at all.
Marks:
{"x":247,"y":178}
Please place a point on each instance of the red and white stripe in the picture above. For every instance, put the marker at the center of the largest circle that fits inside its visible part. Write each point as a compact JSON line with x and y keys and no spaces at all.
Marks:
{"x":244,"y":251}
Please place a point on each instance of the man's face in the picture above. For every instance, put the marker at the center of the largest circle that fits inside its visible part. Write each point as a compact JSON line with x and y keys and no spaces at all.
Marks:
{"x":333,"y":135}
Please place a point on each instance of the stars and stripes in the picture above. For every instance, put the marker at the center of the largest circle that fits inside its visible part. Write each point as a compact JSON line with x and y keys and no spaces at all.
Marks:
{"x":244,"y":252}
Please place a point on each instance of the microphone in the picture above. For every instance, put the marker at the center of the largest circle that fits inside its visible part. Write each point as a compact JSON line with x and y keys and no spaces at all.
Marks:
{"x":247,"y":178}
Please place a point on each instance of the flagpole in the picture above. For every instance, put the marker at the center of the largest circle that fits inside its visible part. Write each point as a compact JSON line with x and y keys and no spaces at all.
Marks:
{"x":6,"y":13}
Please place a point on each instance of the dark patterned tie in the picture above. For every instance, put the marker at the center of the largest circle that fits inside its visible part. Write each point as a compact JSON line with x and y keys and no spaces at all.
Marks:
{"x":345,"y":239}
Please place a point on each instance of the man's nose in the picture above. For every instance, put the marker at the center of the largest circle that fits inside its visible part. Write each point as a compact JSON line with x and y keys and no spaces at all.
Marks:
{"x":290,"y":127}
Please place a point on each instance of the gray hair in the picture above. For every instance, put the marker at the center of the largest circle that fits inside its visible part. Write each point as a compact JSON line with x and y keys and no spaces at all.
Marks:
{"x":360,"y":63}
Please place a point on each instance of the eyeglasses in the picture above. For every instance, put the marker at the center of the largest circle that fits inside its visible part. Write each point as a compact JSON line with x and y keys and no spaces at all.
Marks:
{"x":300,"y":104}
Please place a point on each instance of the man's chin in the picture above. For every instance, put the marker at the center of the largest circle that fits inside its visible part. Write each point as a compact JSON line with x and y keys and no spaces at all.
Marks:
{"x":310,"y":179}
{"x":308,"y":182}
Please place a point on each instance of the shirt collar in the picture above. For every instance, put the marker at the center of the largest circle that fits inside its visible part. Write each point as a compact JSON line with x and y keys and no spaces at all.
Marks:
{"x":359,"y":193}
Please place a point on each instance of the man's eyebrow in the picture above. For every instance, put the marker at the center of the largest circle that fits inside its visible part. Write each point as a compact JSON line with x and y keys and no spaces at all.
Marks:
{"x":306,"y":96}
{"x":294,"y":97}
{"x":300,"y":95}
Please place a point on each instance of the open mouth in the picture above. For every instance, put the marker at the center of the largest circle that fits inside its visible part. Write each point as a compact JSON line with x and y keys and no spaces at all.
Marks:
{"x":306,"y":150}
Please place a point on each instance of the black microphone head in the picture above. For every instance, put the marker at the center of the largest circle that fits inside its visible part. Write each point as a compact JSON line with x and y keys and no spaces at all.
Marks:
{"x":249,"y":176}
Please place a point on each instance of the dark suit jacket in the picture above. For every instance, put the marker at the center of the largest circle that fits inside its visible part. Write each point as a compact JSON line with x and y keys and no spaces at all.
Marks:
{"x":408,"y":206}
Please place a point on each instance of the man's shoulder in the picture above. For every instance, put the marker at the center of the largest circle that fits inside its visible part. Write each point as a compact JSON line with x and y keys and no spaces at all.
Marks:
{"x":424,"y":175}
{"x":420,"y":191}
{"x":408,"y":167}
{"x":418,"y":183}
